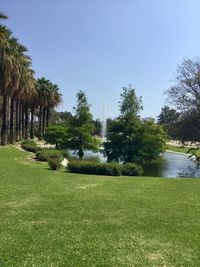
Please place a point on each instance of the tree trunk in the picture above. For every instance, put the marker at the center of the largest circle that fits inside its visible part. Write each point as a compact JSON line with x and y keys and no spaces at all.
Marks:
{"x":20,"y":121}
{"x":17,"y":121}
{"x":26,"y":112}
{"x":23,"y":121}
{"x":44,"y":121}
{"x":12,"y":123}
{"x":40,"y":136}
{"x":80,"y":151}
{"x":8,"y":120}
{"x":4,"y":127}
{"x":32,"y":124}
{"x":48,"y":116}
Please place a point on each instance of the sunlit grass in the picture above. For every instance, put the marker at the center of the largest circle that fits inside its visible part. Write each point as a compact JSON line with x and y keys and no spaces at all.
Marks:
{"x":54,"y":218}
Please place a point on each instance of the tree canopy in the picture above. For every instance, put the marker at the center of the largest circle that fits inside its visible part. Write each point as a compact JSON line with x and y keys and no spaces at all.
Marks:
{"x":129,"y":138}
{"x":81,"y":127}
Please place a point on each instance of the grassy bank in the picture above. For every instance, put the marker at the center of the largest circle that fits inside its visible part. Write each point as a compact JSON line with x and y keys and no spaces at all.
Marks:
{"x":58,"y":219}
{"x":181,"y":149}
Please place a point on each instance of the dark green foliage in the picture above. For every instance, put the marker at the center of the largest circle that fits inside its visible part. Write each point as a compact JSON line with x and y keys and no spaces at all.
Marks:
{"x":97,"y":127}
{"x":56,"y":134}
{"x":131,"y":139}
{"x":87,"y":167}
{"x":81,"y":128}
{"x":86,"y":158}
{"x":46,"y":153}
{"x":131,"y":169}
{"x":55,"y":163}
{"x":112,"y":169}
{"x":189,"y":127}
{"x":30,"y":145}
{"x":60,"y":118}
{"x":169,"y":118}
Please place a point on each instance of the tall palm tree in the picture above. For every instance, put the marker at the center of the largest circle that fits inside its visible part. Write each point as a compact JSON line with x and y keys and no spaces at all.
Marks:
{"x":16,"y":85}
{"x":55,"y":98}
{"x":18,"y":95}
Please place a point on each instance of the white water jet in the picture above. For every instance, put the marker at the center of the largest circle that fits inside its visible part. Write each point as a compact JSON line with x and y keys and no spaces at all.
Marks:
{"x":104,"y":123}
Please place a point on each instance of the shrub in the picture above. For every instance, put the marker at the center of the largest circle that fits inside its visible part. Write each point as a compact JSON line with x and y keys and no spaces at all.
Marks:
{"x":46,"y":154}
{"x":30,"y":145}
{"x":54,"y":163}
{"x":94,"y":159}
{"x":65,"y":153}
{"x":87,"y":167}
{"x":131,"y":169}
{"x":113,"y":169}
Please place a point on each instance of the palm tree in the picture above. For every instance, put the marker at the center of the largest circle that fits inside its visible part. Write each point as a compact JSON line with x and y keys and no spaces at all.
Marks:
{"x":55,"y":98}
{"x":16,"y":85}
{"x":18,"y":95}
{"x":49,"y":97}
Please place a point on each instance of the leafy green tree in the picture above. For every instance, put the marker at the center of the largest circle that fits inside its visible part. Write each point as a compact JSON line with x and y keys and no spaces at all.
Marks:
{"x":130,"y":139}
{"x":60,"y":118}
{"x":81,"y":127}
{"x":169,"y":118}
{"x":97,"y":125}
{"x":151,"y":140}
{"x":56,"y":135}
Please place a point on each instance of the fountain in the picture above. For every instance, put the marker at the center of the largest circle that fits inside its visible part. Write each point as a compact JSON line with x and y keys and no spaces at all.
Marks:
{"x":104,"y":123}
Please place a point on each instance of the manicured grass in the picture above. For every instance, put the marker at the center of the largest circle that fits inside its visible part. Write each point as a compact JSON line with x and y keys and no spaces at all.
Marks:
{"x":181,"y":149}
{"x":54,"y":218}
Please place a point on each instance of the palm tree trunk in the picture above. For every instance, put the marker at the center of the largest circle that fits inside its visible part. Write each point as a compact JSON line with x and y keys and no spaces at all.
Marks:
{"x":32,"y":124}
{"x":8,"y":120}
{"x":47,"y":117}
{"x":23,"y":121}
{"x":26,"y":113}
{"x":17,"y":120}
{"x":4,"y":127}
{"x":40,"y":136}
{"x":20,"y":121}
{"x":43,"y":121}
{"x":12,"y":112}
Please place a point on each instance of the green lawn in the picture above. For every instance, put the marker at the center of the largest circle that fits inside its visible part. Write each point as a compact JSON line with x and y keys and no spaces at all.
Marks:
{"x":181,"y":149}
{"x":54,"y":218}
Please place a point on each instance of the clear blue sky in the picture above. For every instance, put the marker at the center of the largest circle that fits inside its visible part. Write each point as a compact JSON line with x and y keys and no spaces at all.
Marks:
{"x":101,"y":45}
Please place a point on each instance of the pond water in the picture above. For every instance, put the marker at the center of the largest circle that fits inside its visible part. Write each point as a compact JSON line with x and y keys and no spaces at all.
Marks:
{"x":170,"y":165}
{"x":173,"y":165}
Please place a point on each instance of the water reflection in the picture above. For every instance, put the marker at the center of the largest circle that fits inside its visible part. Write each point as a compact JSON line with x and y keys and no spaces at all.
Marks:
{"x":173,"y":165}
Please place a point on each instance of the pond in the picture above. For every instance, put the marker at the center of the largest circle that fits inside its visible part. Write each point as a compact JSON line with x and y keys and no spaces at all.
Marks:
{"x":170,"y":165}
{"x":173,"y":165}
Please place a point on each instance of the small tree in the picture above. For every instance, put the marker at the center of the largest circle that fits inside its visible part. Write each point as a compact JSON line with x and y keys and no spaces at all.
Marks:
{"x":57,"y":135}
{"x":81,"y":127}
{"x":129,"y":138}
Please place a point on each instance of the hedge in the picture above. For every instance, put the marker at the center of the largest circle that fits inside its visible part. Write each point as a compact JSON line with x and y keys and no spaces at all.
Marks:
{"x":46,"y":154}
{"x":113,"y":169}
{"x":30,"y":145}
{"x":131,"y":169}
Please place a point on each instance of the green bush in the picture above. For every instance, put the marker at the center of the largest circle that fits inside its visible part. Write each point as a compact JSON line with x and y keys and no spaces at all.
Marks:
{"x":112,"y":169}
{"x":94,"y":159}
{"x":30,"y":145}
{"x":54,"y":163}
{"x":46,"y":154}
{"x":131,"y":169}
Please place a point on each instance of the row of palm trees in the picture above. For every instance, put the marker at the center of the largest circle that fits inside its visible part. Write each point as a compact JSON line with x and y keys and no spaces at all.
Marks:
{"x":25,"y":102}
